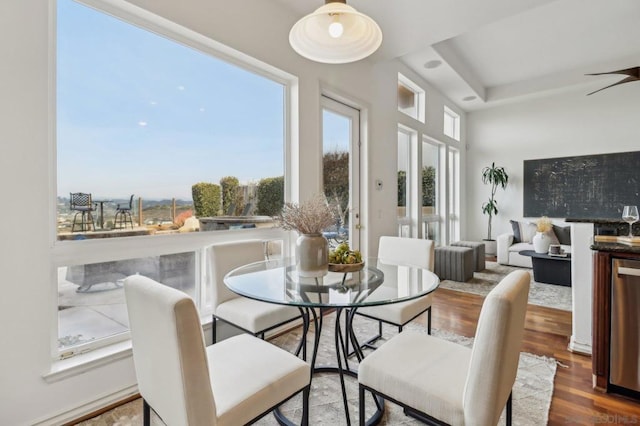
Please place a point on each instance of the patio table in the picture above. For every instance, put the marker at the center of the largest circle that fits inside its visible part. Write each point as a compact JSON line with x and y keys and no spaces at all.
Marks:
{"x":101,"y":203}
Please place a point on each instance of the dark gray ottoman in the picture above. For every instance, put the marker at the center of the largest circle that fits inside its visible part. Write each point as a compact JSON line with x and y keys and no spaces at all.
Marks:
{"x":454,"y":263}
{"x":478,"y":253}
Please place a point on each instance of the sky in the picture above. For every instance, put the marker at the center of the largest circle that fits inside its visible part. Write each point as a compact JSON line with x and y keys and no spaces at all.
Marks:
{"x":140,"y":114}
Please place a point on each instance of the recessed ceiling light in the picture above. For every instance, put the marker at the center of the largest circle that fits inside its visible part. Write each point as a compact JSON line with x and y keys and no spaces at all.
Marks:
{"x":432,"y":64}
{"x":469,"y":98}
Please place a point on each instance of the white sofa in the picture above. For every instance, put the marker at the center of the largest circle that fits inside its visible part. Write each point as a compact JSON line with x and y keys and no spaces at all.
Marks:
{"x":508,"y":251}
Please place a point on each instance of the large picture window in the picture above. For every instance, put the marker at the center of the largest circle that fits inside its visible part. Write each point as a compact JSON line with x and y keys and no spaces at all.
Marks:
{"x":185,"y":133}
{"x":155,"y":140}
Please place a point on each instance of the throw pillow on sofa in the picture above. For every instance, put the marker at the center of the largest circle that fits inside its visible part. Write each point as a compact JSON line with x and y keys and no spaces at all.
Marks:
{"x":563,"y":233}
{"x":523,"y":232}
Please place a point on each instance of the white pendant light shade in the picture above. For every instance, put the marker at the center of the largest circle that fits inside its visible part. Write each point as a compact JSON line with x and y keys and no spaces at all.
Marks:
{"x":335,"y":34}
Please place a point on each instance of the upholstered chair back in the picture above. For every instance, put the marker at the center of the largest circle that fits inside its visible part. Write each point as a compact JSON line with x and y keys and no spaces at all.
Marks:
{"x":406,"y":251}
{"x":227,"y":256}
{"x":496,"y":350}
{"x":169,"y":352}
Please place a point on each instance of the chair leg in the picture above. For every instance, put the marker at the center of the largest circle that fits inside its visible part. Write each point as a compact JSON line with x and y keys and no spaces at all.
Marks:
{"x":429,"y":321}
{"x":305,"y":406}
{"x":91,"y":221}
{"x":214,"y":331}
{"x":73,"y":225}
{"x":146,"y":413}
{"x":361,"y":414}
{"x":509,"y":409}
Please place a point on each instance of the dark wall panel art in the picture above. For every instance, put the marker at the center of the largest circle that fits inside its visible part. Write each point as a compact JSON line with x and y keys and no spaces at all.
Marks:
{"x":586,"y":187}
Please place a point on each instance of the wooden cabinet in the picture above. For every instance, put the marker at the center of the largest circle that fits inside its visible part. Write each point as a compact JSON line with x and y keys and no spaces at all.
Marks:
{"x":602,"y":264}
{"x":601,"y":318}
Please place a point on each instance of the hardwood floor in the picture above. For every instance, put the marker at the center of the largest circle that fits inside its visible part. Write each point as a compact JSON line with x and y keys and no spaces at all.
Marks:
{"x":547,"y":332}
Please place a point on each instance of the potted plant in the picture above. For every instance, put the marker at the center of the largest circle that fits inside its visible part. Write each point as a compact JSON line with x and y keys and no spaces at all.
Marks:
{"x":309,"y":218}
{"x":494,"y":176}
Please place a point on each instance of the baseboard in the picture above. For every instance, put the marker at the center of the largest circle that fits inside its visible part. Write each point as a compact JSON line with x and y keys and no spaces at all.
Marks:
{"x":93,"y":407}
{"x":580,"y":348}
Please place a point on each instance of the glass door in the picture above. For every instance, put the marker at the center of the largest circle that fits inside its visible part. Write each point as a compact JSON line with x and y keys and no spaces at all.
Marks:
{"x":341,"y":169}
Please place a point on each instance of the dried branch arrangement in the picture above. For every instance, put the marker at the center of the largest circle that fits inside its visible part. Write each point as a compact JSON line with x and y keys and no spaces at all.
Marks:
{"x":308,"y":217}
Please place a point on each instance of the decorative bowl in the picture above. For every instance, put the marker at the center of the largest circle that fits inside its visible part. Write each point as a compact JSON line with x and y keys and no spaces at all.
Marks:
{"x":346,"y":267}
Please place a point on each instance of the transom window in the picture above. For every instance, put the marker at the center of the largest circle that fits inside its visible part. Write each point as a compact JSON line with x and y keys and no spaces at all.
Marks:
{"x":411,"y":98}
{"x":451,"y":124}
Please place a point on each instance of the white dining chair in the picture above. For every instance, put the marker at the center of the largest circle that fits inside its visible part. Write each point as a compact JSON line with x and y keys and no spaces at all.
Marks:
{"x":405,"y":252}
{"x":234,"y":382}
{"x":443,"y":382}
{"x":251,"y":316}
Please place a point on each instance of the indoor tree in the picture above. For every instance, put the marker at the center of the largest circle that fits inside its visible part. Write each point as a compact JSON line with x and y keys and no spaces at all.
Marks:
{"x":494,"y":176}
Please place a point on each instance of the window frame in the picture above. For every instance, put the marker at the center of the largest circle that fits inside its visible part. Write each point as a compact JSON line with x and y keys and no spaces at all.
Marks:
{"x":67,"y":253}
{"x":448,"y":180}
{"x":405,"y":222}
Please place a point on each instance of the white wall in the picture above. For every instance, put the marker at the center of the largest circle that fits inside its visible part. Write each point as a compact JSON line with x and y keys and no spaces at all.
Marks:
{"x":27,"y":161}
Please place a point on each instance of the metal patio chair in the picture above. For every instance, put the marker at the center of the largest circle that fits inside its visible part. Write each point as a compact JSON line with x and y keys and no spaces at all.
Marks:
{"x":81,"y":203}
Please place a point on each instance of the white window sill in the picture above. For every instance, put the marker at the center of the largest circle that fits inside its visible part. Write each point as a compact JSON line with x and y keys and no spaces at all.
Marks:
{"x":82,"y":363}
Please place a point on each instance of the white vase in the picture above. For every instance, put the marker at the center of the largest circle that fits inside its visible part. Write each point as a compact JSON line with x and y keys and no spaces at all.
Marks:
{"x":541,"y":242}
{"x":312,"y":255}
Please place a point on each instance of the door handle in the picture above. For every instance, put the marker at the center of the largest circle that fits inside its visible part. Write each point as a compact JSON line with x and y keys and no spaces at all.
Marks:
{"x":623,"y":270}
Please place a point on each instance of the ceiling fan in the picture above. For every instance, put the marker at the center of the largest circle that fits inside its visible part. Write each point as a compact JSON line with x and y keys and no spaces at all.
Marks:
{"x":633,"y":74}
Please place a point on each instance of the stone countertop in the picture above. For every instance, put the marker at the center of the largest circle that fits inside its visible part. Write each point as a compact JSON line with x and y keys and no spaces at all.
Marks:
{"x":615,"y":247}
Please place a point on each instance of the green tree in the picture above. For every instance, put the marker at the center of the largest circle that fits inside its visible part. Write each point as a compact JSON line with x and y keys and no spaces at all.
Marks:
{"x":428,"y":186}
{"x":402,"y":188}
{"x":232,"y":199}
{"x":335,"y":178}
{"x":270,"y":196}
{"x":206,"y":199}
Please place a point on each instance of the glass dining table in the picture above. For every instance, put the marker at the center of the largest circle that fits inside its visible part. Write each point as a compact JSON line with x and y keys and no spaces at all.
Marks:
{"x":377,"y":283}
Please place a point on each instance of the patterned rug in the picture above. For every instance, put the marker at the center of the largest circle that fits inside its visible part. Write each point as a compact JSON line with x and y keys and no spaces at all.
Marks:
{"x":549,"y":295}
{"x":531,"y":393}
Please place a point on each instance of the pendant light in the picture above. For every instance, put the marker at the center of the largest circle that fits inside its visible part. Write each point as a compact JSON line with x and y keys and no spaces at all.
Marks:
{"x":335,"y":34}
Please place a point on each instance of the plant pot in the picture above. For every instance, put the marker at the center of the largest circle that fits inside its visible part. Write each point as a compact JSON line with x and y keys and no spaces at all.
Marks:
{"x":490,"y":247}
{"x":541,"y":242}
{"x":312,"y":255}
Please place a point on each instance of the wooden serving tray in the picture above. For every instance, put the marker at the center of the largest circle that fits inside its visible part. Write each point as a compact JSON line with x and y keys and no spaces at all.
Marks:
{"x":632,"y":241}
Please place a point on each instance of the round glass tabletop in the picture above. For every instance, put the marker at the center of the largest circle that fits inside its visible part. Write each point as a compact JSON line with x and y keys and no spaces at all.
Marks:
{"x":378,"y":283}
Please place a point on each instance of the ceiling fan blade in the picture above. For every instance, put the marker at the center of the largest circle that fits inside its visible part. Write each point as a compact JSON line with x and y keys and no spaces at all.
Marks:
{"x":635,"y":71}
{"x":625,"y":80}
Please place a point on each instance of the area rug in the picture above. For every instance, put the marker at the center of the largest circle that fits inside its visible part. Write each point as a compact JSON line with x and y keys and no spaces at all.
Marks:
{"x":549,"y":295}
{"x":531,"y":393}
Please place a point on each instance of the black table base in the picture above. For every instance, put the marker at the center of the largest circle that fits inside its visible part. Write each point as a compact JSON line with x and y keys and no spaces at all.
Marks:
{"x":342,"y":360}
